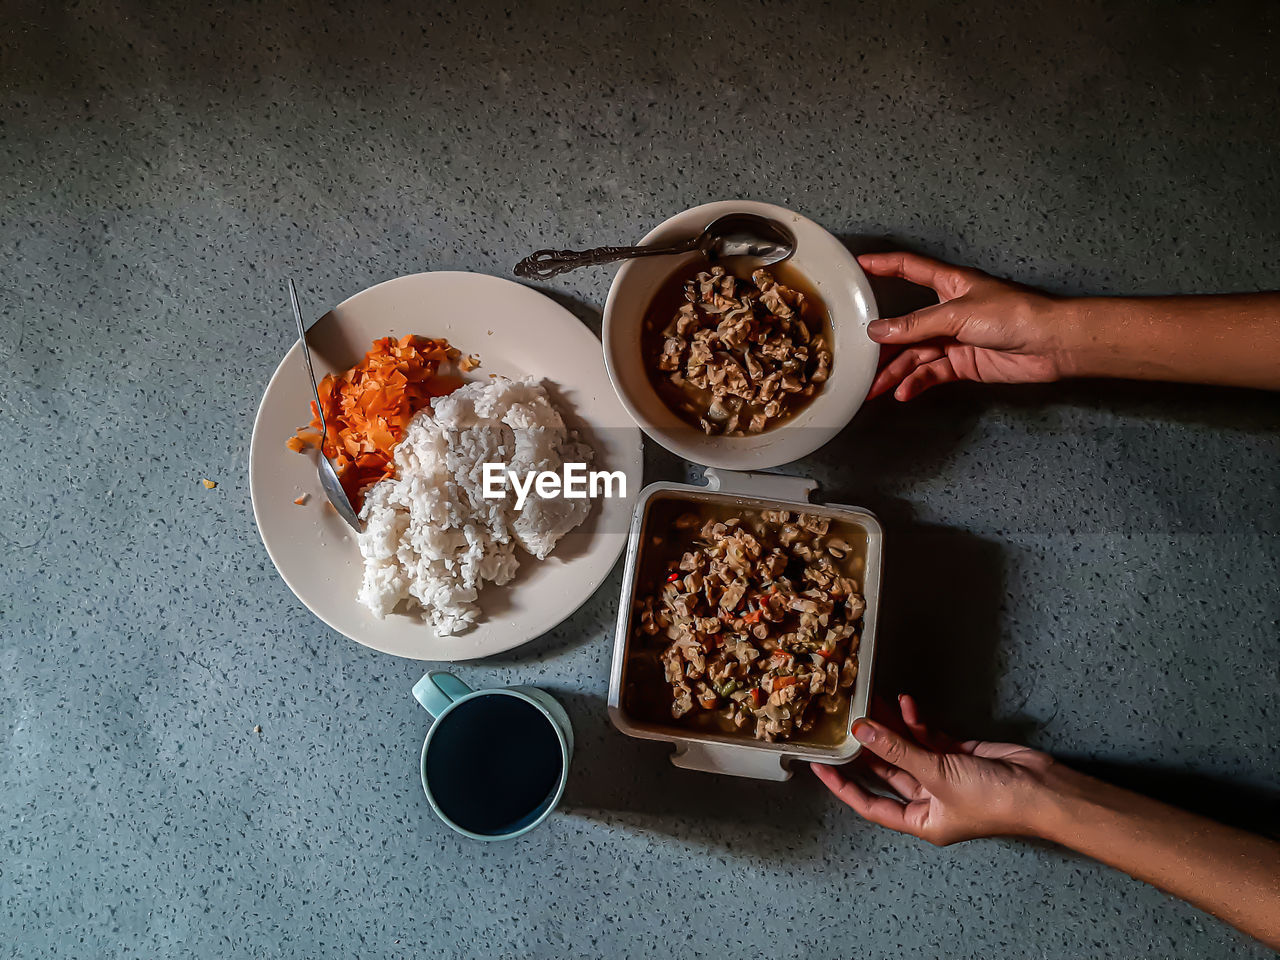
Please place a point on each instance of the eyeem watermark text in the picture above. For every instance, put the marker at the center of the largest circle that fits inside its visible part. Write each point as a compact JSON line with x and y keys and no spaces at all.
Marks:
{"x":575,"y":482}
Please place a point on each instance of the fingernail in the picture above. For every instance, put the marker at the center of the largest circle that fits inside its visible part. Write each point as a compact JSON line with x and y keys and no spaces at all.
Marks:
{"x":880,"y":328}
{"x":864,"y":732}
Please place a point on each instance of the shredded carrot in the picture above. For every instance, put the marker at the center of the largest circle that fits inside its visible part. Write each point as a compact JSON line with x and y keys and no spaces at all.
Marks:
{"x":300,"y":501}
{"x":368,"y":408}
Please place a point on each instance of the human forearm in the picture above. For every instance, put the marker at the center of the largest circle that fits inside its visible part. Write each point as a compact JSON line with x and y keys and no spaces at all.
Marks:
{"x":951,"y":791}
{"x":1230,"y":340}
{"x":1227,"y":872}
{"x":994,"y":331}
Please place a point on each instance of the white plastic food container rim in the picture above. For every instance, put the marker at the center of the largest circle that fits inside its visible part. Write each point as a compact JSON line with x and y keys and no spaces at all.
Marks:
{"x":721,"y":753}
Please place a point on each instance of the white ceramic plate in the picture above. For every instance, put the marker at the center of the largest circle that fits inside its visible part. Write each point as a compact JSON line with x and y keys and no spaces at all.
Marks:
{"x":516,"y":332}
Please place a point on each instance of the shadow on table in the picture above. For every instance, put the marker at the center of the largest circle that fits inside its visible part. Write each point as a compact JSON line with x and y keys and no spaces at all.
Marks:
{"x":620,"y":780}
{"x":942,"y":650}
{"x":1227,"y":801}
{"x":939,"y":624}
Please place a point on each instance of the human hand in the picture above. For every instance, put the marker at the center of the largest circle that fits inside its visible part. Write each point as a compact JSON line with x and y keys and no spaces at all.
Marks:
{"x":983,"y":329}
{"x":950,"y":791}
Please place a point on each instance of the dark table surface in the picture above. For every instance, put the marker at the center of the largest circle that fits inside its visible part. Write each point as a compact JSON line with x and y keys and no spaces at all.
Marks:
{"x":1087,"y":567}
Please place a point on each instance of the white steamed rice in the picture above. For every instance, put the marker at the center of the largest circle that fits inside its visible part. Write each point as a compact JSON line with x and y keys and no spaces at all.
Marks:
{"x":430,"y":537}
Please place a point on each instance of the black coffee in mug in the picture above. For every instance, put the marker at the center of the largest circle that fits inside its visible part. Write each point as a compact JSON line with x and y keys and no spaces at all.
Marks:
{"x":494,"y":765}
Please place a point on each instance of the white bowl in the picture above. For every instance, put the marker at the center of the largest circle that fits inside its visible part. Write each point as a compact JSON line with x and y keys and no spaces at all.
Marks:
{"x":834,"y":274}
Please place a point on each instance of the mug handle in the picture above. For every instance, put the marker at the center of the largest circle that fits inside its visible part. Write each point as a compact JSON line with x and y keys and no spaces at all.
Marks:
{"x":437,"y":690}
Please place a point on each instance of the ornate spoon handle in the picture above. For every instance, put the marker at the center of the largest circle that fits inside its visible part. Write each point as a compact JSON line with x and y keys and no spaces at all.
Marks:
{"x":546,"y":264}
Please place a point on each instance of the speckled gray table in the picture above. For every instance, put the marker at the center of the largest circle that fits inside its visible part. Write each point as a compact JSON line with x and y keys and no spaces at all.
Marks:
{"x":1091,"y":568}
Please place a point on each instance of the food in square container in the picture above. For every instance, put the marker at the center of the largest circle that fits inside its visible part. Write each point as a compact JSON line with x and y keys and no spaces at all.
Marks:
{"x":771,"y":675}
{"x":753,"y":616}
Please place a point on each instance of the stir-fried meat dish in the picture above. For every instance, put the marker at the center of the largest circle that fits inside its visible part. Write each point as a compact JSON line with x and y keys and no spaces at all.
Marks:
{"x":760,"y":621}
{"x":743,"y":354}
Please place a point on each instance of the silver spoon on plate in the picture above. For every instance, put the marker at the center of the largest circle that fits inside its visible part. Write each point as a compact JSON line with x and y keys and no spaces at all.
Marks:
{"x":733,"y":235}
{"x":329,"y":481}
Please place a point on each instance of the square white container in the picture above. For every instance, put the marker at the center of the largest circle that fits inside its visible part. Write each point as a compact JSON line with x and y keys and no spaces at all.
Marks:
{"x":741,"y":755}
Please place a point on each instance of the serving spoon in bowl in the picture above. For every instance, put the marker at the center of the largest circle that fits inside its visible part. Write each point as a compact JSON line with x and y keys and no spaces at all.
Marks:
{"x":329,"y":481}
{"x":733,"y":235}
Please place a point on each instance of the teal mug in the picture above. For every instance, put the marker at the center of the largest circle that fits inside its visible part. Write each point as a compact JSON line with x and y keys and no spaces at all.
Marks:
{"x":495,"y":762}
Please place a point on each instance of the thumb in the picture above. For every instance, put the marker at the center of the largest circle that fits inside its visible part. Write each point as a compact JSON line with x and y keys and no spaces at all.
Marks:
{"x":896,"y":749}
{"x":939,"y":320}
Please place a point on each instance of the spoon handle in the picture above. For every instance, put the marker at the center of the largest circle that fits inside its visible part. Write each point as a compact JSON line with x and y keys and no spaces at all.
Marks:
{"x":546,"y":264}
{"x":306,"y":355}
{"x":329,"y":481}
